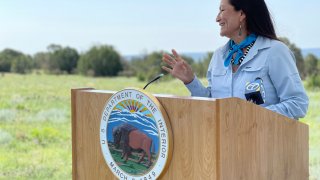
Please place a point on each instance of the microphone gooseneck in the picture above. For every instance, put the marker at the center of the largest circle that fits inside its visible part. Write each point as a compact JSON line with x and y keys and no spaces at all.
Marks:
{"x":154,"y":79}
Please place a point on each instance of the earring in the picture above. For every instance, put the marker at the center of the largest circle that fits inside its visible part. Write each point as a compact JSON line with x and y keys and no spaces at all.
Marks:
{"x":240,"y":30}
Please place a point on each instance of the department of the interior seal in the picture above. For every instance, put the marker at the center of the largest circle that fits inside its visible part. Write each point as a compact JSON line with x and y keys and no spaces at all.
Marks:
{"x":135,"y":135}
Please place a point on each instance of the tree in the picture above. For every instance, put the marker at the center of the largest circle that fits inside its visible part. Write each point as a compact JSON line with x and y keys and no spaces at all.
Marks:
{"x":62,"y":59}
{"x":127,"y":70}
{"x":6,"y":58}
{"x":148,"y":66}
{"x":41,"y":60}
{"x":100,"y":61}
{"x":318,"y":66}
{"x":311,"y":65}
{"x":67,"y":59}
{"x":58,"y":59}
{"x":201,"y":67}
{"x":21,"y":64}
{"x":298,"y":55}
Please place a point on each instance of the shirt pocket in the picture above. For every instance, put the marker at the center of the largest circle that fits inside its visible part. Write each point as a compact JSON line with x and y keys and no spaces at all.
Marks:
{"x":252,"y":72}
{"x":220,"y":83}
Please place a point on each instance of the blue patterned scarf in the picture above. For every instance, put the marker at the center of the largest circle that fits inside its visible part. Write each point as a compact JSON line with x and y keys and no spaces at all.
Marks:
{"x":238,"y":48}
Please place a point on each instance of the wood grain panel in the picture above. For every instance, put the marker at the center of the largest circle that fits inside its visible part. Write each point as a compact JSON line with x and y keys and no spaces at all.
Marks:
{"x":90,"y":162}
{"x":256,"y":143}
{"x":194,"y":133}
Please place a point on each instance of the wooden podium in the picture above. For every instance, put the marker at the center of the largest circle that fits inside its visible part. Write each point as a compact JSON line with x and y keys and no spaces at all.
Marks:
{"x":216,"y":139}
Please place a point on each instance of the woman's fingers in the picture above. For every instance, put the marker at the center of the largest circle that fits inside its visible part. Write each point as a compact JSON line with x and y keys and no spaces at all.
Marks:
{"x":169,"y":57}
{"x":186,"y":65}
{"x":176,"y":55}
{"x":169,"y":60}
{"x":167,"y":69}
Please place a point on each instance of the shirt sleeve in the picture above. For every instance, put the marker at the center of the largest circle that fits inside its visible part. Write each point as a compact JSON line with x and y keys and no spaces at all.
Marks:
{"x":293,"y":100}
{"x":196,"y":87}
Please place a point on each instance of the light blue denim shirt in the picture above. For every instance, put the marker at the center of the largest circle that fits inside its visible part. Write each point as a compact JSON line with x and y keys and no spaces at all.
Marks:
{"x":273,"y":62}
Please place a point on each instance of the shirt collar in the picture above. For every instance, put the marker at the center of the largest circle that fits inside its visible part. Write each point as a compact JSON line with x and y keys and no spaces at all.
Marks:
{"x":261,"y":43}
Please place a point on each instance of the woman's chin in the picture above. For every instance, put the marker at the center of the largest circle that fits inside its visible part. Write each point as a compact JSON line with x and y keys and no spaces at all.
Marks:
{"x":222,"y":34}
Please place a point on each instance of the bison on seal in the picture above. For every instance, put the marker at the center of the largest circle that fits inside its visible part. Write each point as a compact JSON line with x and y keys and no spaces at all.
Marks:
{"x":127,"y":137}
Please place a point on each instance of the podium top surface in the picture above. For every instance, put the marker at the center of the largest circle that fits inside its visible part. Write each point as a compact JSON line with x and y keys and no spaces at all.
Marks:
{"x":91,"y":90}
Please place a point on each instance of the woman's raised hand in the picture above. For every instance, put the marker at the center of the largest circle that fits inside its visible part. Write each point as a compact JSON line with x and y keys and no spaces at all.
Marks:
{"x":178,"y":67}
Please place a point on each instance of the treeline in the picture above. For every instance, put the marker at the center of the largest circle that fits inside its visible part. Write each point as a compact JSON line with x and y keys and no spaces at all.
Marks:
{"x":98,"y":61}
{"x":308,"y":67}
{"x":104,"y":60}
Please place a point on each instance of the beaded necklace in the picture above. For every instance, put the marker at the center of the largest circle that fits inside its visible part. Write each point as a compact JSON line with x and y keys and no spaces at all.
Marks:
{"x":244,"y":55}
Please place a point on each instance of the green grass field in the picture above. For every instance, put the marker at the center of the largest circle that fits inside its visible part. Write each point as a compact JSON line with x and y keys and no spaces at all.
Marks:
{"x":35,"y":126}
{"x":131,"y":165}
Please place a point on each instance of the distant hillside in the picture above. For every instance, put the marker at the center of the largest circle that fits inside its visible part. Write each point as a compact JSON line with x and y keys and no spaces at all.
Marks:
{"x":314,"y":51}
{"x":197,"y":56}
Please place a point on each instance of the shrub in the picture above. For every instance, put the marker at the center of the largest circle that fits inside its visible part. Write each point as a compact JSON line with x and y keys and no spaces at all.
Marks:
{"x":103,"y":60}
{"x":313,"y":82}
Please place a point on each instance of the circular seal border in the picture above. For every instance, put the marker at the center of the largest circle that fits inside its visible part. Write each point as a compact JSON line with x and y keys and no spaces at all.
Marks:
{"x":160,"y":165}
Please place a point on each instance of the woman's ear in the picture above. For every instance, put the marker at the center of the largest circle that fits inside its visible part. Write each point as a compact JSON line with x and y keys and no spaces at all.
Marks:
{"x":242,"y":16}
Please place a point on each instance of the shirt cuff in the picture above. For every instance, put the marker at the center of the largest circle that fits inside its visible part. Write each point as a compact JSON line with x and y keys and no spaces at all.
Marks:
{"x":194,"y":84}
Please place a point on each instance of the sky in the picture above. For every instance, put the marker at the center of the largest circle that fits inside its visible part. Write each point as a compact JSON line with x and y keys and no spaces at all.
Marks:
{"x":140,"y":26}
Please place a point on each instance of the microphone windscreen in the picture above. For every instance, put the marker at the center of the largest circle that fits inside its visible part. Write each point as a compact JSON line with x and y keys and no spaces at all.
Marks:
{"x":255,"y":91}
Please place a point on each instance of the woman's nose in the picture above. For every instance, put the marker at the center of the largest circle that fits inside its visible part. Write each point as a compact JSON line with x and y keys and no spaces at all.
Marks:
{"x":218,"y":18}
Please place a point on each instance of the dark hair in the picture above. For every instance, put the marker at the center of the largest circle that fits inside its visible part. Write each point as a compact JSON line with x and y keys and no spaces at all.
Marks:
{"x":257,"y":17}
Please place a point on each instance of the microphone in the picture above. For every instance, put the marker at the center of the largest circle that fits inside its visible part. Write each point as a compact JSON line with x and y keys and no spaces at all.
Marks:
{"x":255,"y":92}
{"x":154,"y":79}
